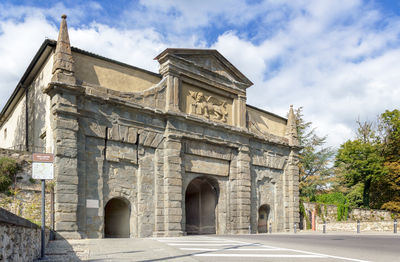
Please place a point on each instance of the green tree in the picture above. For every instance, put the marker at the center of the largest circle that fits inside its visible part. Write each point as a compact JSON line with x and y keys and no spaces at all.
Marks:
{"x":314,"y":158}
{"x":390,"y":186}
{"x":360,"y":162}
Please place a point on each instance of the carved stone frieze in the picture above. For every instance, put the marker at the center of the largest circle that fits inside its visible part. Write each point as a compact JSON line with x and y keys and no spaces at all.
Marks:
{"x":208,"y":106}
{"x":203,"y":103}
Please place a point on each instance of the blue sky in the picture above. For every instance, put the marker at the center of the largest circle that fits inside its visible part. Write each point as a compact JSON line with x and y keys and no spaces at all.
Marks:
{"x":339,"y":60}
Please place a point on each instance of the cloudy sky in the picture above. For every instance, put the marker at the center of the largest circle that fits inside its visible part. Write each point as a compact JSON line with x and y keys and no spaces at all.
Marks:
{"x":339,"y":60}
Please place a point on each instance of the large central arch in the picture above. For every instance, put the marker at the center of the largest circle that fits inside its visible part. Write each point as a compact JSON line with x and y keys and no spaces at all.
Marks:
{"x":201,"y":199}
{"x":116,"y":218}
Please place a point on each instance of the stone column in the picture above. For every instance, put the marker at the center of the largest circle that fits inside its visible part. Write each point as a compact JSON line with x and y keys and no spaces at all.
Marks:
{"x":293,"y":190}
{"x":145,"y":194}
{"x":243,"y":190}
{"x":159,"y":218}
{"x":173,"y":195}
{"x":65,"y":128}
{"x":172,"y":99}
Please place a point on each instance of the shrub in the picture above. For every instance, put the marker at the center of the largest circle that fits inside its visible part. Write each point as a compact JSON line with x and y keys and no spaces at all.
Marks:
{"x":8,"y":170}
{"x":334,"y":198}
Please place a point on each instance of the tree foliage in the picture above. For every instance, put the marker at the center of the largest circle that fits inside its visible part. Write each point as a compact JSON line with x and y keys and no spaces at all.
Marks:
{"x":8,"y":170}
{"x":369,"y":165}
{"x":362,"y":163}
{"x":314,"y":158}
{"x":390,"y":128}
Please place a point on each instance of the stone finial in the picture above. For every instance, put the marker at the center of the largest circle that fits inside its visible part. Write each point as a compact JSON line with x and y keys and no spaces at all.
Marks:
{"x":63,"y":62}
{"x":291,"y":128}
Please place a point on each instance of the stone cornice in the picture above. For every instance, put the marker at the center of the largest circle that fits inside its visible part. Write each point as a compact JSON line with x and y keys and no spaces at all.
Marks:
{"x":114,"y":97}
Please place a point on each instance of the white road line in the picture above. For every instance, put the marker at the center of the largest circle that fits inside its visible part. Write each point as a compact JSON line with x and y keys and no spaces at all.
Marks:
{"x":259,"y":255}
{"x":213,"y":244}
{"x":210,"y":241}
{"x":231,"y":249}
{"x":196,"y":241}
{"x":330,"y":256}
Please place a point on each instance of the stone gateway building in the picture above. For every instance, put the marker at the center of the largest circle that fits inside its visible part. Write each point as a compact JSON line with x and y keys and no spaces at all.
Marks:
{"x":140,"y":154}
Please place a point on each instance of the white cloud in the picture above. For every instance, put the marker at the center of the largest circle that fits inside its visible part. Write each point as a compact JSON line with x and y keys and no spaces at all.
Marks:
{"x":338,"y":61}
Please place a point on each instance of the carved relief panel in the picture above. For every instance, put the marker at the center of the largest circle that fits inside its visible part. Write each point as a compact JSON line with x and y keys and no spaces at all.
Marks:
{"x":199,"y":102}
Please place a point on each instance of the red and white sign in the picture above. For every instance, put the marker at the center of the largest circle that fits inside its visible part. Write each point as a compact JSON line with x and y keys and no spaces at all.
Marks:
{"x":44,"y":158}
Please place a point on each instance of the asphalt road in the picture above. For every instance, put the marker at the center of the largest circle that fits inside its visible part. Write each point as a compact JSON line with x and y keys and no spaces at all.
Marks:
{"x":364,"y":247}
{"x":301,"y":247}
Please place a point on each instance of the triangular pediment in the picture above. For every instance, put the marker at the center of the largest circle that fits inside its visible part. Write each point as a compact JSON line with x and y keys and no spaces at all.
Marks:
{"x":211,"y":60}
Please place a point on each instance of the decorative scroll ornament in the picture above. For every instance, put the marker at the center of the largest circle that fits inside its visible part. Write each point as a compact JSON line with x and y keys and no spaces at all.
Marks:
{"x":208,"y":107}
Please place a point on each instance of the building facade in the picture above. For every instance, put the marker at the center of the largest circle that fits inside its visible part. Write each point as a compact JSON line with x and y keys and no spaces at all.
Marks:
{"x":141,"y":154}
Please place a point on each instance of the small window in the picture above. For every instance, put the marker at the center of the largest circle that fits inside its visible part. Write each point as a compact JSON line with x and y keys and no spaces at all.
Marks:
{"x":5,"y":133}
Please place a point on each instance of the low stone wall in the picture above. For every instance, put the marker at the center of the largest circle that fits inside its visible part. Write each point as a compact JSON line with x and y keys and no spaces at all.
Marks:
{"x":365,"y":226}
{"x":20,"y":239}
{"x":329,"y":213}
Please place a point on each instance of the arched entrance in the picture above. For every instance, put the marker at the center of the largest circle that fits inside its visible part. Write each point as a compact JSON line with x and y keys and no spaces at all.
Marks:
{"x":116,"y":218}
{"x":263,"y":213}
{"x":200,"y":201}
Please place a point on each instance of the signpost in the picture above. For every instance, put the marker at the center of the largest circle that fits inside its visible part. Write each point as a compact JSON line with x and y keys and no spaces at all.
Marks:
{"x":42,"y":168}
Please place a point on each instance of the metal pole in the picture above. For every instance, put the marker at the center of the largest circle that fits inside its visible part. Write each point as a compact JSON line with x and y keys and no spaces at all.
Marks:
{"x":324,"y":227}
{"x":358,"y":226}
{"x":43,"y":218}
{"x":270,"y":227}
{"x":249,"y":229}
{"x":295,"y":228}
{"x":395,"y":226}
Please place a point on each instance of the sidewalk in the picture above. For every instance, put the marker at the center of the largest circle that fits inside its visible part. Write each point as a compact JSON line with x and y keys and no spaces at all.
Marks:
{"x":118,"y":249}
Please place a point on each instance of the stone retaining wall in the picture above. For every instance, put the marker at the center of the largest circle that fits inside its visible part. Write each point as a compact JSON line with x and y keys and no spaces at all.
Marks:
{"x":329,"y":213}
{"x":371,"y":219}
{"x":25,"y":197}
{"x":365,"y":226}
{"x":20,"y":239}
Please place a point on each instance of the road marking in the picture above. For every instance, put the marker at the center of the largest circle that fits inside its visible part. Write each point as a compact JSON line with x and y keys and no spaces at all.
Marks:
{"x":231,"y":249}
{"x":259,"y":255}
{"x":192,"y":244}
{"x":196,"y":243}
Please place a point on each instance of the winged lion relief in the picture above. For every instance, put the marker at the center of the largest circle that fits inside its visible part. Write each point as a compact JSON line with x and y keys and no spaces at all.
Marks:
{"x":208,"y":107}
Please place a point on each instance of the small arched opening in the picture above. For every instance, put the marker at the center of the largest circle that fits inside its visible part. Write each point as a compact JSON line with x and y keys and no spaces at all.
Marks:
{"x":201,"y":199}
{"x":116,"y":218}
{"x":263,"y":214}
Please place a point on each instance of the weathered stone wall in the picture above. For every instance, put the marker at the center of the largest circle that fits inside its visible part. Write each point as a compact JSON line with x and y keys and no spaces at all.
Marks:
{"x":25,"y":197}
{"x":370,"y":219}
{"x":20,"y":240}
{"x":329,"y":213}
{"x":139,"y":156}
{"x":365,"y":226}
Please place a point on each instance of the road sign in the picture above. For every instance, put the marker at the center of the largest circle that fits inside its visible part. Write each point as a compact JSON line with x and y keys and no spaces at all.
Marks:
{"x":42,"y":166}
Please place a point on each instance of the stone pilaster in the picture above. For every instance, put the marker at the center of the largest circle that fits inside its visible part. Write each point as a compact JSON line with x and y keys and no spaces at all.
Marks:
{"x":159,"y":218}
{"x":292,"y":174}
{"x":243,"y":190}
{"x":173,"y":86}
{"x":173,"y":195}
{"x":145,"y":185}
{"x":293,"y":190}
{"x":240,"y":111}
{"x":65,"y":129}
